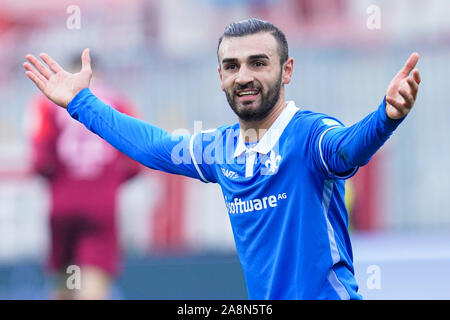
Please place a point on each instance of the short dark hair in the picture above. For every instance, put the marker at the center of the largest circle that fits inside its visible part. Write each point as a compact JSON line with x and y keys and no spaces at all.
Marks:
{"x":253,"y":26}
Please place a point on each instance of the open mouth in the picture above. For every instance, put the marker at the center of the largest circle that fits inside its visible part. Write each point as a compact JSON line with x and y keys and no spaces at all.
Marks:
{"x":244,"y":93}
{"x":248,"y":95}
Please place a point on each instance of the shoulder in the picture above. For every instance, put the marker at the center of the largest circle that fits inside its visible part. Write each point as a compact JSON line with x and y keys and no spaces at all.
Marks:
{"x":214,"y":144}
{"x":310,"y":117}
{"x":223,"y":132}
{"x":311,"y":121}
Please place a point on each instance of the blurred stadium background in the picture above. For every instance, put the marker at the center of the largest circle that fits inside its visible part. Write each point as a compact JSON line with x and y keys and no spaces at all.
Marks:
{"x":175,"y":234}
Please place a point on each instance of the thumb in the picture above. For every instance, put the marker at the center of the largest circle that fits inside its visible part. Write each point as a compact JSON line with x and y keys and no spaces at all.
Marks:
{"x":86,"y":60}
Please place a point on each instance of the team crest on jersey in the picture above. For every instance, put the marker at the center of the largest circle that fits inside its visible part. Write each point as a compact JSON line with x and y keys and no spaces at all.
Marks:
{"x":272,"y":164}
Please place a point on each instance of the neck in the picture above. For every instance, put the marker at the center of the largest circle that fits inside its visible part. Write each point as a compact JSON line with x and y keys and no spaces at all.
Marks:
{"x":254,"y":130}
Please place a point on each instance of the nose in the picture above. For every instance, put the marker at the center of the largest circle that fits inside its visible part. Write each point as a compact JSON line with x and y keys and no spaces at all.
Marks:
{"x":244,"y":76}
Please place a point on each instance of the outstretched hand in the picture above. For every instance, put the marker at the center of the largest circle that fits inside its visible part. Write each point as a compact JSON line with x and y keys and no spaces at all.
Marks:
{"x":402,"y":91}
{"x":57,"y":84}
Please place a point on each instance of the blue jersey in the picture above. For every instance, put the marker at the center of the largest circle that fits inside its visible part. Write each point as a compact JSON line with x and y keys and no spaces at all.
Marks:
{"x":284,"y":194}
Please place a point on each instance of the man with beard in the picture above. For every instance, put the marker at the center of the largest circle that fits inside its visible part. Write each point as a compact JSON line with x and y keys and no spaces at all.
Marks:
{"x":282,"y":170}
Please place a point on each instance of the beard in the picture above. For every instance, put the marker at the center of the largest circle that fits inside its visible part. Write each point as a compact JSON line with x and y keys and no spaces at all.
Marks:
{"x":267,"y":101}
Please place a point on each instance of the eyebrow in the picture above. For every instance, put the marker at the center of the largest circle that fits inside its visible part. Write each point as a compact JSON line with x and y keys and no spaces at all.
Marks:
{"x":259,"y":56}
{"x":252,"y":57}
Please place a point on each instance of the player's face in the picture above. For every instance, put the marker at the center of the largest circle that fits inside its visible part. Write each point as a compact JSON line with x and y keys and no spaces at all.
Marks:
{"x":251,"y":74}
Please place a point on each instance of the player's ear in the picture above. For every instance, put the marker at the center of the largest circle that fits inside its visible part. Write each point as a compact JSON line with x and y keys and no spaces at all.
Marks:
{"x":287,"y":69}
{"x":220,"y":76}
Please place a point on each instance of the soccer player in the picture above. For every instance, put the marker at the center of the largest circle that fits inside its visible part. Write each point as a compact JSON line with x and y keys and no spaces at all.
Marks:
{"x":84,"y":175}
{"x":282,"y":170}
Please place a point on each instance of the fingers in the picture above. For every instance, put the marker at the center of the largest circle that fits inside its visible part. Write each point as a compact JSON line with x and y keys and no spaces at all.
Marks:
{"x":410,"y":64}
{"x":414,"y":86}
{"x":39,"y":66}
{"x":28,"y":67}
{"x":413,"y":83}
{"x":86,"y":60}
{"x":54,"y":66}
{"x":416,"y":76}
{"x":404,"y":88}
{"x":409,"y":99}
{"x":38,"y":82}
{"x":400,"y":107}
{"x":35,"y":76}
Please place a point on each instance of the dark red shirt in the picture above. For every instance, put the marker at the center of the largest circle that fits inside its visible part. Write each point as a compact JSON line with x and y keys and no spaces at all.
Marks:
{"x":83,"y":170}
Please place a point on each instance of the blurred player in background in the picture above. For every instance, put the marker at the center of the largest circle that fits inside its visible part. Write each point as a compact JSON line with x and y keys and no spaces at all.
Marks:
{"x":84,"y":174}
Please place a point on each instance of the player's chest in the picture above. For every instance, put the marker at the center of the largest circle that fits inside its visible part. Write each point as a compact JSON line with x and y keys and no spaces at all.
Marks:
{"x":253,"y":168}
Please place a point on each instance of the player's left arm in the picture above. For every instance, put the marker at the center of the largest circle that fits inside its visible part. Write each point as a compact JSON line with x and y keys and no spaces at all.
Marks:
{"x":343,"y":150}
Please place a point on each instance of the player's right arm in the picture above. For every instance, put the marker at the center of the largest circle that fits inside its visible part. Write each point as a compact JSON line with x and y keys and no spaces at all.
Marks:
{"x":142,"y":141}
{"x":147,"y":144}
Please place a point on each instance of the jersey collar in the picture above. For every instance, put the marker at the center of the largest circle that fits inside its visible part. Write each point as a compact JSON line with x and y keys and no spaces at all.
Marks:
{"x":270,"y":138}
